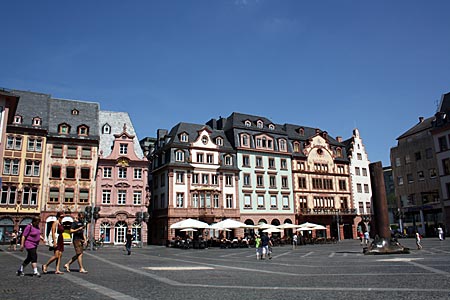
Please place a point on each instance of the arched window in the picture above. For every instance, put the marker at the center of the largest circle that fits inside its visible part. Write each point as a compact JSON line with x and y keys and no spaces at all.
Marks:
{"x":272,"y":127}
{"x":184,"y":137}
{"x":219,"y":141}
{"x":260,"y":124}
{"x":248,"y":123}
{"x":63,"y":128}
{"x":136,"y":230}
{"x":120,"y":231}
{"x":106,"y":129}
{"x":105,"y":229}
{"x":296,"y":147}
{"x":282,"y":145}
{"x":37,"y":121}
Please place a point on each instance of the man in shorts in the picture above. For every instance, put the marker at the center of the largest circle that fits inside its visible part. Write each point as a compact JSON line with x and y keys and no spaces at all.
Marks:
{"x":78,"y":239}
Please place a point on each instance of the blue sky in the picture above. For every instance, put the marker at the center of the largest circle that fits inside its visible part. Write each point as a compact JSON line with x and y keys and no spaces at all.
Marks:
{"x":335,"y":65}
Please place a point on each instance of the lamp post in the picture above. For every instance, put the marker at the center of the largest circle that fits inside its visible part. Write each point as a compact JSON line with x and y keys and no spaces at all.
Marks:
{"x":338,"y":219}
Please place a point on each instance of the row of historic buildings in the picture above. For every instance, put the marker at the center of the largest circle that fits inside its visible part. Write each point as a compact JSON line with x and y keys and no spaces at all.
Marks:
{"x":421,"y":173}
{"x":68,"y":155}
{"x":248,"y":168}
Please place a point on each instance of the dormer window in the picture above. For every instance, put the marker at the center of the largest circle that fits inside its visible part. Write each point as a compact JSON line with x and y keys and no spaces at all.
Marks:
{"x":36,"y":121}
{"x":184,"y":137}
{"x":248,"y":123}
{"x":219,"y":141}
{"x":259,"y":124}
{"x":228,"y":160}
{"x":17,"y":119}
{"x":338,"y":152}
{"x":296,"y":147}
{"x":64,"y":129}
{"x":272,"y":127}
{"x":83,"y":130}
{"x":75,"y":112}
{"x":301,"y":131}
{"x":106,"y":129}
{"x":282,"y":145}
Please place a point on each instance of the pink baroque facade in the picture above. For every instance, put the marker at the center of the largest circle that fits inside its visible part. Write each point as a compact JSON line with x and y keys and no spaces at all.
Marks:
{"x":122,"y":189}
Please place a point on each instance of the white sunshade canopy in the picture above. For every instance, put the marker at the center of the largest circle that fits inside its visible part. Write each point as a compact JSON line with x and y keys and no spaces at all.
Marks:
{"x":288,"y":226}
{"x":228,"y":224}
{"x":271,"y":230}
{"x":189,"y":223}
{"x":310,"y":226}
{"x":188,"y":229}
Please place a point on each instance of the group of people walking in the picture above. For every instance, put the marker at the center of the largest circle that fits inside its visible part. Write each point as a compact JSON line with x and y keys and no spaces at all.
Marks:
{"x":32,"y":236}
{"x":263,"y":246}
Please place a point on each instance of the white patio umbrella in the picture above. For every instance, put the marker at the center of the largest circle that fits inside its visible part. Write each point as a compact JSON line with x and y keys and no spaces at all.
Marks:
{"x":288,"y":226}
{"x":271,"y":230}
{"x":311,"y":226}
{"x":189,"y":223}
{"x":265,"y":226}
{"x":188,"y":229}
{"x":229,"y":224}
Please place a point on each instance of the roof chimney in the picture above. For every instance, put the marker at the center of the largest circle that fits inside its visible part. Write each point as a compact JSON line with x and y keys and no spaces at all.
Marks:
{"x":339,"y":139}
{"x":420,"y":119}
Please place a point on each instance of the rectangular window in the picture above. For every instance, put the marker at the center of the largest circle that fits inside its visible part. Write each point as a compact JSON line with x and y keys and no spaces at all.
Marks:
{"x":359,"y":156}
{"x":400,"y":180}
{"x":260,"y":201}
{"x":194,"y":178}
{"x":446,"y":166}
{"x":271,"y":163}
{"x":443,"y":143}
{"x":195,"y":200}
{"x":107,"y":172}
{"x":214,"y":179}
{"x":57,"y":151}
{"x":180,"y":177}
{"x":283,"y":164}
{"x":342,"y":185}
{"x":247,"y":201}
{"x":285,"y":202}
{"x":68,"y":196}
{"x":284,"y":182}
{"x":357,"y":171}
{"x":245,"y":161}
{"x":229,"y":180}
{"x":106,"y":197}
{"x":85,"y":173}
{"x":205,"y":178}
{"x":70,"y":172}
{"x":364,"y":171}
{"x":123,"y":149}
{"x":366,"y":188}
{"x":398,"y":162}
{"x":229,"y":199}
{"x":71,"y":151}
{"x":137,"y":173}
{"x":418,"y":156}
{"x":32,"y":168}
{"x":432,"y":173}
{"x":179,"y":200}
{"x":359,"y":187}
{"x":302,"y":182}
{"x":209,"y":158}
{"x":259,"y":181}
{"x":122,"y":173}
{"x":410,"y":178}
{"x":84,"y":196}
{"x":199,"y":157}
{"x":54,"y":195}
{"x":216,"y":201}
{"x":34,"y":145}
{"x":259,"y":162}
{"x":428,"y":153}
{"x":420,"y":176}
{"x":121,"y":197}
{"x":86,"y":152}
{"x":272,"y":181}
{"x":407,"y":159}
{"x":273,"y":201}
{"x":246,"y":179}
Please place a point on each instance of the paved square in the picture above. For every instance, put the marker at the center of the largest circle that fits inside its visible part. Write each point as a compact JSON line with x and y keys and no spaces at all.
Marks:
{"x":330,"y":271}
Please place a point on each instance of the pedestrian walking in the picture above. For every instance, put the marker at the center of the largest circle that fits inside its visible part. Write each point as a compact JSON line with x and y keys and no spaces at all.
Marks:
{"x":77,"y":229}
{"x":440,"y":233}
{"x":58,"y":248}
{"x":366,"y":238}
{"x":265,"y":243}
{"x":13,"y":241}
{"x":418,"y":240}
{"x":294,"y":241}
{"x":129,"y":240}
{"x":258,"y":247}
{"x":30,"y":240}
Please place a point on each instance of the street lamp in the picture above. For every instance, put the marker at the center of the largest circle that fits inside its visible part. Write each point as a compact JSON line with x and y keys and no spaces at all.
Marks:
{"x":338,"y":219}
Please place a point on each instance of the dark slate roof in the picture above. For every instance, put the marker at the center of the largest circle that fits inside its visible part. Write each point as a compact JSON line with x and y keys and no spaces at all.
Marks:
{"x":192,"y":131}
{"x":32,"y":105}
{"x":445,"y":103}
{"x":237,"y":120}
{"x":421,"y":126}
{"x":60,"y":111}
